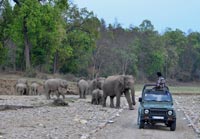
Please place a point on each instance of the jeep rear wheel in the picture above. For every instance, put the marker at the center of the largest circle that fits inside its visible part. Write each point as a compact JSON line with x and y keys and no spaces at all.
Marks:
{"x":173,"y":126}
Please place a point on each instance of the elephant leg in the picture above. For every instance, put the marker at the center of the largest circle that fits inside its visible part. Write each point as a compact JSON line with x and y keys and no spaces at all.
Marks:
{"x":111,"y":101}
{"x":17,"y":90}
{"x":48,"y":92}
{"x":92,"y":101}
{"x":96,"y":101}
{"x":133,"y":96}
{"x":63,"y":95}
{"x":104,"y":100}
{"x":84,"y":94}
{"x":118,"y":100}
{"x":34,"y":92}
{"x":57,"y":94}
{"x":25,"y":92}
{"x":128,"y":98}
{"x":79,"y":92}
{"x":21,"y":92}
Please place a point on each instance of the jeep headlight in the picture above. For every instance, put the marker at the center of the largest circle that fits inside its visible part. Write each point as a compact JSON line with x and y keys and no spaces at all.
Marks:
{"x":146,"y":111}
{"x":170,"y":113}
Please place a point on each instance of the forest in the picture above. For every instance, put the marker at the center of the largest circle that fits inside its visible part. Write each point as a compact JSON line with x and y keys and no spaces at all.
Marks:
{"x":55,"y":36}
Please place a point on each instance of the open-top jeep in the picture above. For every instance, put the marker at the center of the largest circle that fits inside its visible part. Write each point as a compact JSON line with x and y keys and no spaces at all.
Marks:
{"x":156,"y":106}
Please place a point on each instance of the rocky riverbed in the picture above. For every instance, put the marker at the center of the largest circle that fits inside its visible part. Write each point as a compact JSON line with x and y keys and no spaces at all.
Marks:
{"x":34,"y":117}
{"x":190,"y":105}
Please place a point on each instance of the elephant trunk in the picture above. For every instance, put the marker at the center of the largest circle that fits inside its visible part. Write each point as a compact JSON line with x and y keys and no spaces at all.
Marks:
{"x":133,"y":95}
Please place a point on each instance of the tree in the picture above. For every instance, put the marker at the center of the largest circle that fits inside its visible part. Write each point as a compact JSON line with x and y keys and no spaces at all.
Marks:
{"x":6,"y":19}
{"x":174,"y":43}
{"x":82,"y":31}
{"x":146,"y":26}
{"x":151,"y":53}
{"x":191,"y":56}
{"x":40,"y":25}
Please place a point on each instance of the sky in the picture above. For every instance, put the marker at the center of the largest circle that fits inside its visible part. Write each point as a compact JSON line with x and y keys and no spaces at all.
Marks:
{"x":174,"y":14}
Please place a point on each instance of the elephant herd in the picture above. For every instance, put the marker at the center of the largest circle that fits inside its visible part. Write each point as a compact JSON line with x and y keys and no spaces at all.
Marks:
{"x":99,"y":89}
{"x":22,"y":87}
{"x":51,"y":87}
{"x":112,"y":86}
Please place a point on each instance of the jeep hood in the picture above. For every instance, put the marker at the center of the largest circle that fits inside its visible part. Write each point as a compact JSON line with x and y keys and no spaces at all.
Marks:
{"x":158,"y":105}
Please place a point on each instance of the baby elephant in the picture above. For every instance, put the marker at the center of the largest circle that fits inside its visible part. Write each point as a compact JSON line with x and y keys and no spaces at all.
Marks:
{"x":22,"y":89}
{"x":97,"y":96}
{"x":83,"y":88}
{"x":34,"y":88}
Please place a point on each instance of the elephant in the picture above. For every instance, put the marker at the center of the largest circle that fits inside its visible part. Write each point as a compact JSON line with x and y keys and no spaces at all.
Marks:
{"x":100,"y":82}
{"x":83,"y":88}
{"x":55,"y":86}
{"x":116,"y":86}
{"x":96,"y":83}
{"x":92,"y":85}
{"x":34,"y":88}
{"x":22,"y":89}
{"x":57,"y":93}
{"x":97,"y":96}
{"x":23,"y":81}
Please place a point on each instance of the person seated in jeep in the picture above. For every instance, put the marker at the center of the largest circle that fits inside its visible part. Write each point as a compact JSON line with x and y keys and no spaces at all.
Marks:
{"x":161,"y":81}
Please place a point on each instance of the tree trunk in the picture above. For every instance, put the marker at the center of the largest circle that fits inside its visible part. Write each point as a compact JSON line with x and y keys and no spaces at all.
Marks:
{"x":55,"y":62}
{"x":13,"y":54}
{"x":26,"y":43}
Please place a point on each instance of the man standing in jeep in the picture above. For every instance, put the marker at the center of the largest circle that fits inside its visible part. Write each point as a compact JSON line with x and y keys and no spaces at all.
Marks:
{"x":161,"y":80}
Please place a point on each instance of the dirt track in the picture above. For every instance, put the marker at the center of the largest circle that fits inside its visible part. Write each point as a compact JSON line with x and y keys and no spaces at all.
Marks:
{"x":81,"y":120}
{"x":125,"y":127}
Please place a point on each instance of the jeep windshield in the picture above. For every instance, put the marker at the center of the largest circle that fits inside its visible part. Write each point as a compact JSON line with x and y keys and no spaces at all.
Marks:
{"x":157,"y":96}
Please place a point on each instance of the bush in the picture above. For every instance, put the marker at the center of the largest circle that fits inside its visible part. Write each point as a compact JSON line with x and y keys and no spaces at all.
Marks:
{"x":184,"y":77}
{"x":30,"y":73}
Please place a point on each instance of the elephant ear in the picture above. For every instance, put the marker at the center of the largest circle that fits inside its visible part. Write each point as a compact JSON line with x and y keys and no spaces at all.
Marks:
{"x":63,"y":83}
{"x":94,"y":83}
{"x":128,"y":81}
{"x":121,"y":82}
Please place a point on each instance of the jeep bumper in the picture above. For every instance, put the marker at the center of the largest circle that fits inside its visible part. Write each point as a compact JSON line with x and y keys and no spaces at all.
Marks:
{"x":158,"y":119}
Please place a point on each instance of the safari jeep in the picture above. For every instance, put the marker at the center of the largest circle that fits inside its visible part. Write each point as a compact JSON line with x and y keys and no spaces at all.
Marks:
{"x":156,"y":106}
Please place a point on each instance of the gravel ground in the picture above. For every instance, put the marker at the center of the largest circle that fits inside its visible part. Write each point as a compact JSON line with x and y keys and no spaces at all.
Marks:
{"x":44,"y":121}
{"x":39,"y":119}
{"x":190,"y":105}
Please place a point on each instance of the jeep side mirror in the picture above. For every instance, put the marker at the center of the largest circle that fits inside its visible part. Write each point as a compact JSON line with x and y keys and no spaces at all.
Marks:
{"x":140,"y":99}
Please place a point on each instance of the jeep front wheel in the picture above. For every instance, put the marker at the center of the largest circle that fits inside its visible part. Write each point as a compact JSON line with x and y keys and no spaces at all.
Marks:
{"x":173,"y":126}
{"x":140,"y":123}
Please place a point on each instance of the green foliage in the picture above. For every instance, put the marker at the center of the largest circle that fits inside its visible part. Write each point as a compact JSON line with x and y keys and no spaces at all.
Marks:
{"x":82,"y":32}
{"x":156,"y":64}
{"x":30,"y":73}
{"x":3,"y":52}
{"x":146,"y":26}
{"x":63,"y":38}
